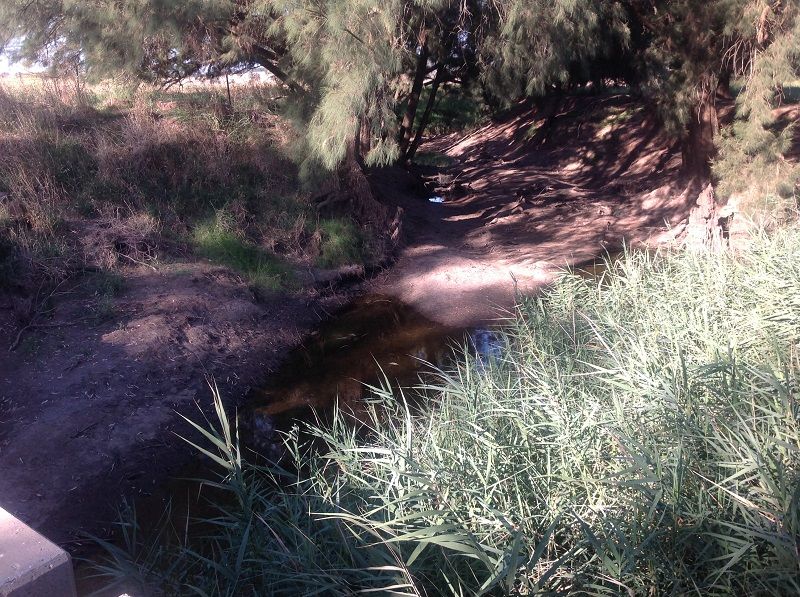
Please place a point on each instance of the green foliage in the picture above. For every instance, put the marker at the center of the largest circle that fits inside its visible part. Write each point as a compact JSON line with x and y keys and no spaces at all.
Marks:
{"x":456,"y":109}
{"x":108,"y":285}
{"x":752,"y":160}
{"x":541,"y":46}
{"x":341,"y":243}
{"x":348,"y":67}
{"x":344,"y":64}
{"x":432,"y":158}
{"x":161,"y":159}
{"x":218,"y":241}
{"x":764,"y":183}
{"x":638,"y":435}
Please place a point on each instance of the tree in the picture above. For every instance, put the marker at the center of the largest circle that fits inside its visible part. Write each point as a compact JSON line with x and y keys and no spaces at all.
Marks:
{"x":346,"y":63}
{"x":153,"y":40}
{"x":355,"y":70}
{"x":698,"y":48}
{"x":542,"y":47}
{"x":678,"y":53}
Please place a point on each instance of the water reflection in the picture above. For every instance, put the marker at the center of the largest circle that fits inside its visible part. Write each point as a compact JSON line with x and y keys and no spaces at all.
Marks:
{"x":374,"y":336}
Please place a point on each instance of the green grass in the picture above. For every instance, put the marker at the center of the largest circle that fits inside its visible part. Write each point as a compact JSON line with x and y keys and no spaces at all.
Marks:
{"x":433,"y":158}
{"x":616,"y":116}
{"x":341,"y":243}
{"x":172,"y":156}
{"x":218,"y":241}
{"x":641,"y":435}
{"x":456,"y":109}
{"x":108,"y":285}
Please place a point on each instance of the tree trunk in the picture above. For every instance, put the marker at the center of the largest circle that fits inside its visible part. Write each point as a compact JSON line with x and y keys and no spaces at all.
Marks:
{"x":698,"y":147}
{"x":269,"y":60}
{"x":355,"y":146}
{"x":348,"y":191}
{"x":707,"y":227}
{"x":724,"y":86}
{"x":546,"y":109}
{"x":407,"y":126}
{"x":364,"y":137}
{"x":426,"y":115}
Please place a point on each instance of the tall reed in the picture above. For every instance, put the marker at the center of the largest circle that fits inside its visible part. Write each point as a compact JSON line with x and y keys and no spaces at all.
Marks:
{"x":639,"y":435}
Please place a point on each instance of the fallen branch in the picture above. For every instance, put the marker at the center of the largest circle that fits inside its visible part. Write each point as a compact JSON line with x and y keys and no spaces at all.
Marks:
{"x":152,"y":267}
{"x":31,"y":326}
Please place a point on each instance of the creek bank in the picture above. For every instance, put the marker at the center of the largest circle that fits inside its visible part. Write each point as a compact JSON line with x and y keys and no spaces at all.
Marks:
{"x":91,"y":395}
{"x":89,"y":404}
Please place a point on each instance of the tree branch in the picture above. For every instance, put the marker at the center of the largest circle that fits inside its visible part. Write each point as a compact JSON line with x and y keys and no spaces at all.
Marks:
{"x":267,"y":58}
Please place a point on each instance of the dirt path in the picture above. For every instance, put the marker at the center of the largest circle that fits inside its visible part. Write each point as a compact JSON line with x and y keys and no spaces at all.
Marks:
{"x":517,"y":210}
{"x":88,"y":405}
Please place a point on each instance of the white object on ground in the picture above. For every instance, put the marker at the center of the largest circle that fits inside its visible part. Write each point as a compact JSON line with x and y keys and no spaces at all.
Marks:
{"x":30,"y":565}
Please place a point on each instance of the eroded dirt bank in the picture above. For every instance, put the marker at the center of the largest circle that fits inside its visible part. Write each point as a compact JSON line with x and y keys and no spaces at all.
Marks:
{"x":519,"y":205}
{"x":89,"y":403}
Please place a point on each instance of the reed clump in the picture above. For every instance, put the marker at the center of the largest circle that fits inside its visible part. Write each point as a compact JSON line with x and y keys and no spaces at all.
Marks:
{"x":640,"y":434}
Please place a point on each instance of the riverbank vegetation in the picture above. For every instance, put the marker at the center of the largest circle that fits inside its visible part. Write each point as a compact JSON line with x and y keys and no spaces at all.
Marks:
{"x":639,"y":434}
{"x":364,"y":82}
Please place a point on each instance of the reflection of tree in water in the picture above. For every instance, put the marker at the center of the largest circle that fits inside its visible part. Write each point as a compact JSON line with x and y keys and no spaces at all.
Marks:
{"x":375,"y":336}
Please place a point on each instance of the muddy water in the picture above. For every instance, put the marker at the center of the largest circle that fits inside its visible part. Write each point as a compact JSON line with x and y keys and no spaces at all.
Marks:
{"x":375,"y":337}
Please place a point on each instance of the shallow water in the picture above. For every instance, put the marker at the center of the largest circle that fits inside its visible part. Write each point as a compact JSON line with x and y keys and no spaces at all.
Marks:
{"x":373,"y":340}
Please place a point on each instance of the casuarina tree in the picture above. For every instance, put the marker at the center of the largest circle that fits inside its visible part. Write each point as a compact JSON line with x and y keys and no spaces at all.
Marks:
{"x":355,"y":70}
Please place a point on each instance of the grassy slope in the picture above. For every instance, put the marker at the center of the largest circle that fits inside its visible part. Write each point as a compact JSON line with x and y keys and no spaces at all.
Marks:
{"x":641,"y":435}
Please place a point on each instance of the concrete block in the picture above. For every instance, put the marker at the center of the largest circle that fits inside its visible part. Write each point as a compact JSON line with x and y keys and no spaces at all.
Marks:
{"x":30,"y":565}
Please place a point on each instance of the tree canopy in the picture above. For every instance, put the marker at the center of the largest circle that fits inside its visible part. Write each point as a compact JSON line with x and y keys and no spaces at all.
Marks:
{"x":355,"y":70}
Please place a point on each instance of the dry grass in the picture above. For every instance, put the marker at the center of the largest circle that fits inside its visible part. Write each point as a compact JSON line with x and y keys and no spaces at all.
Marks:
{"x":104,"y":175}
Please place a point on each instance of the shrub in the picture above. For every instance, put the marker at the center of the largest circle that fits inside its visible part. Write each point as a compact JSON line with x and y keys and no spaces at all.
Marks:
{"x":218,"y":241}
{"x":166,"y":157}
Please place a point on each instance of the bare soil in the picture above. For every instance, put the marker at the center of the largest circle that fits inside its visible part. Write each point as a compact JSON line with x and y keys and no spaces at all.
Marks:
{"x":89,"y":401}
{"x":518,"y":207}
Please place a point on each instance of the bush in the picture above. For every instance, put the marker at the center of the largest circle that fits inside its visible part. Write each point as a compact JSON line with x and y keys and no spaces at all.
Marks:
{"x":455,"y":110}
{"x":640,"y":435}
{"x":167,"y":157}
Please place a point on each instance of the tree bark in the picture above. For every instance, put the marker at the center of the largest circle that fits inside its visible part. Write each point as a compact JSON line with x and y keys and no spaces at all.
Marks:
{"x":426,"y":115}
{"x":698,"y":147}
{"x":269,"y":60}
{"x":407,"y":125}
{"x":724,"y":85}
{"x":546,"y":109}
{"x":364,"y":137}
{"x":707,"y":228}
